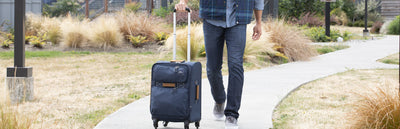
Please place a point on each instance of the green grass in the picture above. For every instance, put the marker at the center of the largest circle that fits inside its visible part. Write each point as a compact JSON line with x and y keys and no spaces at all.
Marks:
{"x":44,"y":54}
{"x":328,"y":49}
{"x":391,"y":59}
{"x":52,"y":54}
{"x":94,"y":117}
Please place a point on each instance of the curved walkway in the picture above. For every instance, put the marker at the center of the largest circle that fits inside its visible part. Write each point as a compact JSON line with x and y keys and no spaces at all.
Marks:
{"x":264,"y":88}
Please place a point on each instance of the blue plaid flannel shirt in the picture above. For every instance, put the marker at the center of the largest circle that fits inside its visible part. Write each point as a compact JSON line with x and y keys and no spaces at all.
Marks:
{"x":216,"y":10}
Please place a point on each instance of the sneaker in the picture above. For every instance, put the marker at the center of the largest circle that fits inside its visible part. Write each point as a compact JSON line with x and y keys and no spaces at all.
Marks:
{"x":231,"y":123}
{"x":219,"y":111}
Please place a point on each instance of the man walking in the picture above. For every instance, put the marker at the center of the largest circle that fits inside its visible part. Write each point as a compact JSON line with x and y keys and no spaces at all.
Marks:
{"x":226,"y":20}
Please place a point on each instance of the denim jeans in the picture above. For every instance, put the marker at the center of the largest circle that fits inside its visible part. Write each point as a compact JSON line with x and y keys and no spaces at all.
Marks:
{"x":235,"y":38}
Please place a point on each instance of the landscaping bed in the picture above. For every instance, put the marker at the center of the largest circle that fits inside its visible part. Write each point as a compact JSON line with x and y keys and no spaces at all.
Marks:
{"x":329,"y":103}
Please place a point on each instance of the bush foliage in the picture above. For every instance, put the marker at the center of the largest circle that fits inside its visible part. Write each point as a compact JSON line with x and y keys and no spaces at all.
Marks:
{"x":61,"y":8}
{"x":317,"y":34}
{"x":294,"y":8}
{"x":394,"y":26}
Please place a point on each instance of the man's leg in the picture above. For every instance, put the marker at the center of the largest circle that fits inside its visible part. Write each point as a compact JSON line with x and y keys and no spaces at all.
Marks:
{"x":214,"y":45}
{"x":236,"y":43}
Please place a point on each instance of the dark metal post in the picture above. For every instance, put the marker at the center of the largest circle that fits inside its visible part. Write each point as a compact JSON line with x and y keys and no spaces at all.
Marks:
{"x":105,"y":6}
{"x":366,"y":19}
{"x":19,"y":69}
{"x":328,"y":19}
{"x":87,"y":8}
{"x":19,"y":40}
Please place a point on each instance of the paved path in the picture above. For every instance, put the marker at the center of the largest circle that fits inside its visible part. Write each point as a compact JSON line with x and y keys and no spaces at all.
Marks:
{"x":264,"y":88}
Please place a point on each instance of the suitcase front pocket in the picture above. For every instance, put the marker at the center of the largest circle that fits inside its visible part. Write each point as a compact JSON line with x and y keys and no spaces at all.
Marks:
{"x":170,"y":73}
{"x":171,"y":102}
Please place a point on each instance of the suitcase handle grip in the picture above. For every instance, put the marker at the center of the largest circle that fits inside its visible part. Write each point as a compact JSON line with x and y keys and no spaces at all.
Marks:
{"x":187,"y":9}
{"x":188,"y":40}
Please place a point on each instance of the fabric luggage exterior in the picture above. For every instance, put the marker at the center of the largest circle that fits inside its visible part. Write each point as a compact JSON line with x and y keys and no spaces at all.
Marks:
{"x":176,"y":88}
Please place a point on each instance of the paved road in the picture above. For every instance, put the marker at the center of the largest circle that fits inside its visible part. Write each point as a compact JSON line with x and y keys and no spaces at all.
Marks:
{"x":265,"y":88}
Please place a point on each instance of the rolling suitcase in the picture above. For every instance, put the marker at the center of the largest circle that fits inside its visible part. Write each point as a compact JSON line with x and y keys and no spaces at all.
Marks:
{"x":176,"y":89}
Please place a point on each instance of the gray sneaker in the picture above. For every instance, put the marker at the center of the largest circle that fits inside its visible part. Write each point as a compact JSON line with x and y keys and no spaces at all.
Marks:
{"x":219,"y":111}
{"x":231,"y":123}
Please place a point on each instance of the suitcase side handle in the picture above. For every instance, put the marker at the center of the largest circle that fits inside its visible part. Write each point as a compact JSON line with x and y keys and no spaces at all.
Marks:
{"x":197,"y":92}
{"x":174,"y":35}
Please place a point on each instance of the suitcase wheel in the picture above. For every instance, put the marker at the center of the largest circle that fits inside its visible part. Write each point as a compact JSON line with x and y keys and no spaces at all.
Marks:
{"x":165,"y":123}
{"x":197,"y":124}
{"x":186,"y":124}
{"x":155,"y":123}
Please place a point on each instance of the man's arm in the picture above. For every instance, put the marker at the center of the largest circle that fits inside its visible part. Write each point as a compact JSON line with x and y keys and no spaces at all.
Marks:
{"x":257,"y":30}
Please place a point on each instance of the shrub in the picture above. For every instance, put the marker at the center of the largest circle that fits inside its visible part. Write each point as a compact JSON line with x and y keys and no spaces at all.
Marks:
{"x":376,"y":27}
{"x":61,"y":8}
{"x":294,"y":44}
{"x":105,"y":33}
{"x":394,"y":26}
{"x":133,"y":6}
{"x":339,"y":16}
{"x":294,"y":8}
{"x":346,"y":6}
{"x":161,"y":36}
{"x":10,"y":118}
{"x":38,"y":41}
{"x":74,"y":33}
{"x":256,"y":49}
{"x":359,"y":13}
{"x":202,"y":52}
{"x":6,"y":43}
{"x":136,"y":24}
{"x":309,"y":19}
{"x":182,"y":17}
{"x":52,"y":28}
{"x":317,"y":34}
{"x":28,"y":38}
{"x":33,"y":25}
{"x":161,"y":12}
{"x":193,"y":5}
{"x":347,"y":36}
{"x":379,"y":108}
{"x":10,"y":37}
{"x":196,"y":41}
{"x":137,"y":41}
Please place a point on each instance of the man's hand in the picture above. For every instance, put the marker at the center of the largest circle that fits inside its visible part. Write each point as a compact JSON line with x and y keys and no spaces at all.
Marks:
{"x":257,"y":31}
{"x":181,"y":6}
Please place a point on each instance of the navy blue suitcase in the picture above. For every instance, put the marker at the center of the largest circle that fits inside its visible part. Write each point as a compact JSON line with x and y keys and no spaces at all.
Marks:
{"x":176,"y":90}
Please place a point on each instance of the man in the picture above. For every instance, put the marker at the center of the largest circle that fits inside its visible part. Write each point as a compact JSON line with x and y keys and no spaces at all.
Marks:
{"x":226,"y":20}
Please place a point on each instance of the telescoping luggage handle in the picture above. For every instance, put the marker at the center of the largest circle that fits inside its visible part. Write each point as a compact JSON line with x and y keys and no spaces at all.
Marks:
{"x":188,"y":43}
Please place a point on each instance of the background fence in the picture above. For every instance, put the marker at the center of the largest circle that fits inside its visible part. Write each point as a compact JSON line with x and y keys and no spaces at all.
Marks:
{"x":7,"y":10}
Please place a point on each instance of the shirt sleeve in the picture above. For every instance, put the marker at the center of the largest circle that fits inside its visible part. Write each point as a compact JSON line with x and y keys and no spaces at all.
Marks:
{"x":259,"y":4}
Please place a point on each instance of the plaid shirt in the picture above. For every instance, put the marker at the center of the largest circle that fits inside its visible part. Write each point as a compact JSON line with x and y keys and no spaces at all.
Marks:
{"x":216,"y":10}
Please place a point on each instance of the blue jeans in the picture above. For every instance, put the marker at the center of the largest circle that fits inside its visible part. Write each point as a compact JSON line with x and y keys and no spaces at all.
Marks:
{"x":235,"y":38}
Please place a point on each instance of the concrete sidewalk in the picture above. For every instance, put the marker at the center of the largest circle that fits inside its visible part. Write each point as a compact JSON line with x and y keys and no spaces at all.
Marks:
{"x":265,"y":88}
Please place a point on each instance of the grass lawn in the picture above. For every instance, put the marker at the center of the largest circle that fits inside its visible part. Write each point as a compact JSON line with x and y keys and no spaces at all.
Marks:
{"x":391,"y":59}
{"x":323,"y":49}
{"x":79,"y":89}
{"x":327,"y":102}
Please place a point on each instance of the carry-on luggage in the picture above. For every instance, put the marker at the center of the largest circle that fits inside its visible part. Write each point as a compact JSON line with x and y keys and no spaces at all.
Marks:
{"x":176,"y":88}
